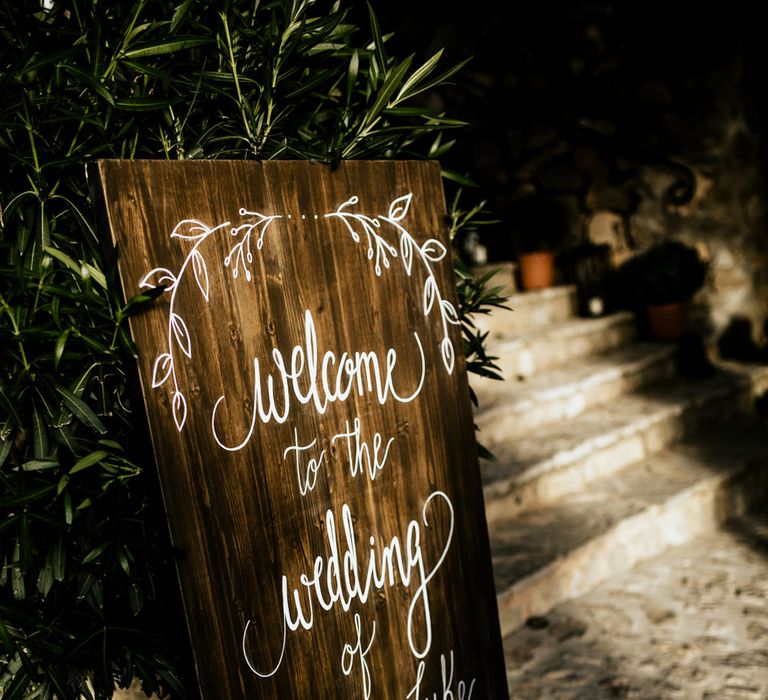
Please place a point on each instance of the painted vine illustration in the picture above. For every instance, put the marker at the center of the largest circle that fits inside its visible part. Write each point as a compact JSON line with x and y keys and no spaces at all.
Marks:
{"x":361,"y":227}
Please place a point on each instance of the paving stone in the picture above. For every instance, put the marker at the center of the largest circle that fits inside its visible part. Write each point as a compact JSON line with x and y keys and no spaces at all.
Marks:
{"x":645,"y":634}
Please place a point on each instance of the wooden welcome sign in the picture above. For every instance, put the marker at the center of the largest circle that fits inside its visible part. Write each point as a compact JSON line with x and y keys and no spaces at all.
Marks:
{"x":308,"y":403}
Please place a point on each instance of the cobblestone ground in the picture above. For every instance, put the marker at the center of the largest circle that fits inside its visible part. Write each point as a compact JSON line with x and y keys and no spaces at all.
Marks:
{"x":691,"y":624}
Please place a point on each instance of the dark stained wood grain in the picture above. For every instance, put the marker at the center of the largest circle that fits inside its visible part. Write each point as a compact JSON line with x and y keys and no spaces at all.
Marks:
{"x":290,"y":332}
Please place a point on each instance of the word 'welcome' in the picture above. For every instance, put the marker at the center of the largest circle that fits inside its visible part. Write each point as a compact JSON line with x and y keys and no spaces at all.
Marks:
{"x":328,"y":380}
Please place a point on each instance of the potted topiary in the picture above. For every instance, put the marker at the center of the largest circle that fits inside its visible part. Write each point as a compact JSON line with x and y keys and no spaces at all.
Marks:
{"x":663,"y":279}
{"x":588,"y":265}
{"x":539,"y":226}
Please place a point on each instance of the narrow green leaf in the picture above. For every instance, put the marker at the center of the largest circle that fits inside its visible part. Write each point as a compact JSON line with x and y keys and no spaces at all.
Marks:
{"x":96,"y":274}
{"x":161,"y":47}
{"x":80,"y":409}
{"x":65,"y":437}
{"x":96,"y":552}
{"x":61,"y":343}
{"x":143,"y":104}
{"x":136,"y":30}
{"x":29,"y":497}
{"x":5,"y":449}
{"x":9,"y":208}
{"x":352,"y":73}
{"x":151,"y":71}
{"x":17,"y":689}
{"x":61,"y":256}
{"x":85,"y":582}
{"x":62,"y":484}
{"x":391,"y":83}
{"x":123,"y":559}
{"x":39,"y":435}
{"x":419,"y":74}
{"x":43,"y":226}
{"x":85,"y":503}
{"x":378,"y":40}
{"x":484,"y":453}
{"x":38,"y":465}
{"x":45,"y":579}
{"x":408,"y":112}
{"x":6,"y":430}
{"x":85,"y":223}
{"x":78,"y":387}
{"x":439,"y":80}
{"x":17,"y":583}
{"x":308,"y":85}
{"x":89,"y":81}
{"x":178,"y":16}
{"x":59,"y":558}
{"x":68,"y":512}
{"x":457,"y":177}
{"x":140,"y":301}
{"x":439,"y":149}
{"x":88,"y":461}
{"x":323,"y":47}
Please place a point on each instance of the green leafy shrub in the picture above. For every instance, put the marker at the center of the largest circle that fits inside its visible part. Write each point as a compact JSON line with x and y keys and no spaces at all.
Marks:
{"x":665,"y":273}
{"x":87,"y":588}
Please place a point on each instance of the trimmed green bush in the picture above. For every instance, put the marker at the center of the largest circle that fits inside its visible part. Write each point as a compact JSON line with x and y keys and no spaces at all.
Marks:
{"x":667,"y":272}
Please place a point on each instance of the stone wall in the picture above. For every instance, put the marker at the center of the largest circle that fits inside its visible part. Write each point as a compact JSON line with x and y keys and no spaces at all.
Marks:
{"x":725,"y":216}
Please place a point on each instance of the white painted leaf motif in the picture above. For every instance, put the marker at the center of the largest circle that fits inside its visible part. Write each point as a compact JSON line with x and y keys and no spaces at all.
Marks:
{"x":448,"y":354}
{"x":449,"y":312}
{"x":162,"y":369}
{"x":399,"y":208}
{"x":159,"y":277}
{"x":181,"y":334}
{"x":433,"y":250}
{"x":430,"y":292}
{"x":190,"y":230}
{"x":406,"y":253}
{"x":201,"y":272}
{"x":179,"y":410}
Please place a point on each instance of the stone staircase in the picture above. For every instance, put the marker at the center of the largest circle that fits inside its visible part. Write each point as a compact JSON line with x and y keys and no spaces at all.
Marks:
{"x":606,"y":457}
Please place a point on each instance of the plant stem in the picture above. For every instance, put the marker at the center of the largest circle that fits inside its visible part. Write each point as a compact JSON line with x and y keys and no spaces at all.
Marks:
{"x":16,"y":331}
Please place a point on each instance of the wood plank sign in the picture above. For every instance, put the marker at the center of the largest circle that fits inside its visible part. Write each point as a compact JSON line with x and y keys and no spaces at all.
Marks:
{"x":308,"y":404}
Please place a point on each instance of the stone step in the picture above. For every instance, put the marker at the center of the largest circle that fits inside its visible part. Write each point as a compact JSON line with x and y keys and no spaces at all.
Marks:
{"x":522,"y":355}
{"x":533,"y":470}
{"x":692,"y":623}
{"x":527,"y":310}
{"x":509,"y":410}
{"x":546,"y":556}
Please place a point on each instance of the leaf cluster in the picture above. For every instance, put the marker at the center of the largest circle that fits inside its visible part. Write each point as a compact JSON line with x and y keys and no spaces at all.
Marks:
{"x":87,"y":593}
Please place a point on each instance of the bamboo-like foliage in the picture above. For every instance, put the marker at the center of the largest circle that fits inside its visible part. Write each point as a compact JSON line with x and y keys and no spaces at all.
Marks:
{"x":86,"y":574}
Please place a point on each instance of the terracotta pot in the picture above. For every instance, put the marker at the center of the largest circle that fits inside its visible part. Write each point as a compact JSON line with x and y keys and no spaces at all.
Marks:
{"x":668,"y":321}
{"x":537,"y":270}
